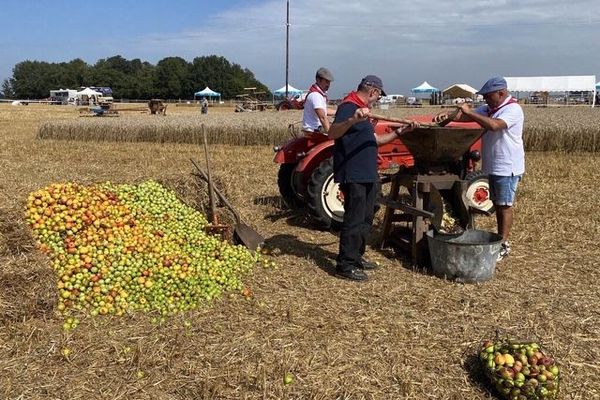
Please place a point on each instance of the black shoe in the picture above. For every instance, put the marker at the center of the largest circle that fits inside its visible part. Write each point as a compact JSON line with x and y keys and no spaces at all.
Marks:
{"x":366,"y":265}
{"x":353,"y":274}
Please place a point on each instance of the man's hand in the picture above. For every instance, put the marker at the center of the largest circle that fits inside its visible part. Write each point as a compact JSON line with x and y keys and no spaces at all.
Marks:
{"x":407,"y":128}
{"x":339,"y":129}
{"x":454,"y":115}
{"x":361,"y":114}
{"x":464,"y":108}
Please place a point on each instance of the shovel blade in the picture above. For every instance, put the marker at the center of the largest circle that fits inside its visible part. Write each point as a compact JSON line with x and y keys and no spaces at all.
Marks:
{"x":247,"y":236}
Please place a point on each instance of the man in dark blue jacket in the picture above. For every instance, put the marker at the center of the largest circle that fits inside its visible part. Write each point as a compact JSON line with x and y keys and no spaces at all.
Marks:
{"x":355,"y":169}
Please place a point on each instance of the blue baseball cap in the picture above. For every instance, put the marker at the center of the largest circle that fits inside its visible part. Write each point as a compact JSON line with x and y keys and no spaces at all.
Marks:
{"x":492,"y":85}
{"x":373,"y":81}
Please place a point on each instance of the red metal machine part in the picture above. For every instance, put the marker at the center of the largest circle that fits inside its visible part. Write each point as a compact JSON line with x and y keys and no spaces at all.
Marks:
{"x":306,"y":171}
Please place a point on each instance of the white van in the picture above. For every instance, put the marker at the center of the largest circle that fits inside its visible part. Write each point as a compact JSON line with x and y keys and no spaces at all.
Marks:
{"x":391,"y":98}
{"x":64,"y":96}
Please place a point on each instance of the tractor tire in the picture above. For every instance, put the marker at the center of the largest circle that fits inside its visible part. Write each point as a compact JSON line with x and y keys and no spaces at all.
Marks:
{"x":286,"y":189}
{"x":478,"y":192}
{"x":325,"y":200}
{"x":284,"y":106}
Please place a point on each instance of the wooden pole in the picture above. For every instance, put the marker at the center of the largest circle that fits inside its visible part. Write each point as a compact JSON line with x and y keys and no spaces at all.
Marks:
{"x":287,"y":48}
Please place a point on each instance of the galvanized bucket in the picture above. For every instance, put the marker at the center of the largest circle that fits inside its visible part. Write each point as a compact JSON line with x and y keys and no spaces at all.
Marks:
{"x":467,"y":257}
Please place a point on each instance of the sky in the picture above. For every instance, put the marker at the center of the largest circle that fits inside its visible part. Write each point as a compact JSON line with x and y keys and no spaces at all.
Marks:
{"x":404,"y":42}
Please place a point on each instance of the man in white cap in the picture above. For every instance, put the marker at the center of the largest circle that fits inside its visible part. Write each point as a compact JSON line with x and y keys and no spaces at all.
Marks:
{"x":314,"y":118}
{"x":502,"y":147}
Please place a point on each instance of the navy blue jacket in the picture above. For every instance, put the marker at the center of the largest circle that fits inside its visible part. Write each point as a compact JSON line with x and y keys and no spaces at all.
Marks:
{"x":355,"y":153}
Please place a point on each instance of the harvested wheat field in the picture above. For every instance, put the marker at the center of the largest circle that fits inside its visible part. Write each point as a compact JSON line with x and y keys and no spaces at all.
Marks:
{"x":295,"y":331}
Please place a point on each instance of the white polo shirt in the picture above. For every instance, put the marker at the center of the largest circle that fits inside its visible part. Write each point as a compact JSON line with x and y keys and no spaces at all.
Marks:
{"x":310,"y":119}
{"x":503,"y":152}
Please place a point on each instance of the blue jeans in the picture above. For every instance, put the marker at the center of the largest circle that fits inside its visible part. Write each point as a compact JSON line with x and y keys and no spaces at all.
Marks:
{"x":503,"y":189}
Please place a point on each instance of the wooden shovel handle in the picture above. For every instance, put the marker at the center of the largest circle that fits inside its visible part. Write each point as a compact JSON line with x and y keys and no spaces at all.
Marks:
{"x":220,"y":194}
{"x":211,"y":195}
{"x":400,"y":120}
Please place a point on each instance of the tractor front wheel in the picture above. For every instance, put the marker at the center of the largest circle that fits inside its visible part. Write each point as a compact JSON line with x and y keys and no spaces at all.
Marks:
{"x":286,"y":188}
{"x":325,"y":199}
{"x":478,"y":192}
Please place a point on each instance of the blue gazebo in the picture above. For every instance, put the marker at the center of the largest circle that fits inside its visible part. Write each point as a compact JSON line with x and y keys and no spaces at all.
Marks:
{"x":207,"y":92}
{"x":425,"y":88}
{"x":292,"y":91}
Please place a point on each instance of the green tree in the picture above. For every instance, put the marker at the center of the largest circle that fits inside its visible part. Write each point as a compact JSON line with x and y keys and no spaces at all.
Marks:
{"x":30,"y":79}
{"x":172,"y":78}
{"x":219,"y":74}
{"x":7,"y":90}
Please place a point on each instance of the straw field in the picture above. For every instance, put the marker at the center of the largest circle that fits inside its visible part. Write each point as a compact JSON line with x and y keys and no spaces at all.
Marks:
{"x":404,"y":334}
{"x":546,"y":129}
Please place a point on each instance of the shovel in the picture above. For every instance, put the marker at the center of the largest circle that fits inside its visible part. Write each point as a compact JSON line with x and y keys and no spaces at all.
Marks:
{"x":436,"y":206}
{"x":215,"y":227}
{"x":242,"y":233}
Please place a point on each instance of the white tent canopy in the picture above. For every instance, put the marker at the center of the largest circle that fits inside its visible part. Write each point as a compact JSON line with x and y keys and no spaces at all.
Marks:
{"x":290,"y":89}
{"x":88,"y":96}
{"x":88,"y":92}
{"x":425,"y":88}
{"x":459,"y":90}
{"x":552,"y":83}
{"x":578,"y":83}
{"x":207,"y":92}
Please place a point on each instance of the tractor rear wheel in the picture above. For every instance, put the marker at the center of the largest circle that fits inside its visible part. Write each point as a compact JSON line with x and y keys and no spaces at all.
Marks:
{"x":286,"y":188}
{"x":478,"y":192}
{"x":325,"y":199}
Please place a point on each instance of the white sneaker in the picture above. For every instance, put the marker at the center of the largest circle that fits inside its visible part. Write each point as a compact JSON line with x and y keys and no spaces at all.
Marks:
{"x":504,"y":251}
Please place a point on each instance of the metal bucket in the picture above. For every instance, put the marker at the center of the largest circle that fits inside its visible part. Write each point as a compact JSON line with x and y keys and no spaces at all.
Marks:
{"x":467,"y":257}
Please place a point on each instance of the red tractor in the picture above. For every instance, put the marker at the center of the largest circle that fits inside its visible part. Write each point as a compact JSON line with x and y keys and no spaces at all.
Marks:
{"x":295,"y":103}
{"x":306,"y":172}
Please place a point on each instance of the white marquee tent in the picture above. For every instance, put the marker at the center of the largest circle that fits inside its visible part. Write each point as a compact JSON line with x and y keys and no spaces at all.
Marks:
{"x":460,"y":90}
{"x":580,"y":83}
{"x":88,"y":96}
{"x":88,"y":92}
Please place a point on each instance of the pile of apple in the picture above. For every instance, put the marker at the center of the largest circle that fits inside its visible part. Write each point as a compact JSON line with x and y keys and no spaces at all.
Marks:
{"x":122,"y":248}
{"x":520,"y":371}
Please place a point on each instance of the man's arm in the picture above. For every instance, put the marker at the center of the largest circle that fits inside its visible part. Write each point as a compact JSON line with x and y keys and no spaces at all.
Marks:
{"x":467,"y":114}
{"x":322,"y":114}
{"x":490,"y":124}
{"x":339,"y":129}
{"x":388,"y":137}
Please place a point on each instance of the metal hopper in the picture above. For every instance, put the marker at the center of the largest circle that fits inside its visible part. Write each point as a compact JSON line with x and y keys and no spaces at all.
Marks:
{"x":420,"y":194}
{"x":434,"y":145}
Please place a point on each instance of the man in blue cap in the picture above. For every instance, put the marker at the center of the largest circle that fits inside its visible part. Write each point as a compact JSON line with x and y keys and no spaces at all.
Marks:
{"x":355,"y":169}
{"x":502,"y":147}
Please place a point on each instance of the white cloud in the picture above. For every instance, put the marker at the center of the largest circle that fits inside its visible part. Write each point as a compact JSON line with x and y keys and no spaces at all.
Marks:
{"x":404,"y":42}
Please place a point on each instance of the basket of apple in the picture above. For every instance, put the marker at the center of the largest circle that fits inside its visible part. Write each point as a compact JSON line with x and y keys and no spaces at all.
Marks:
{"x":520,"y":370}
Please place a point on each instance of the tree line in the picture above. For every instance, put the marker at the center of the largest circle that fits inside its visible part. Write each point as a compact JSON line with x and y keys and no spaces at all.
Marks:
{"x":170,"y":78}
